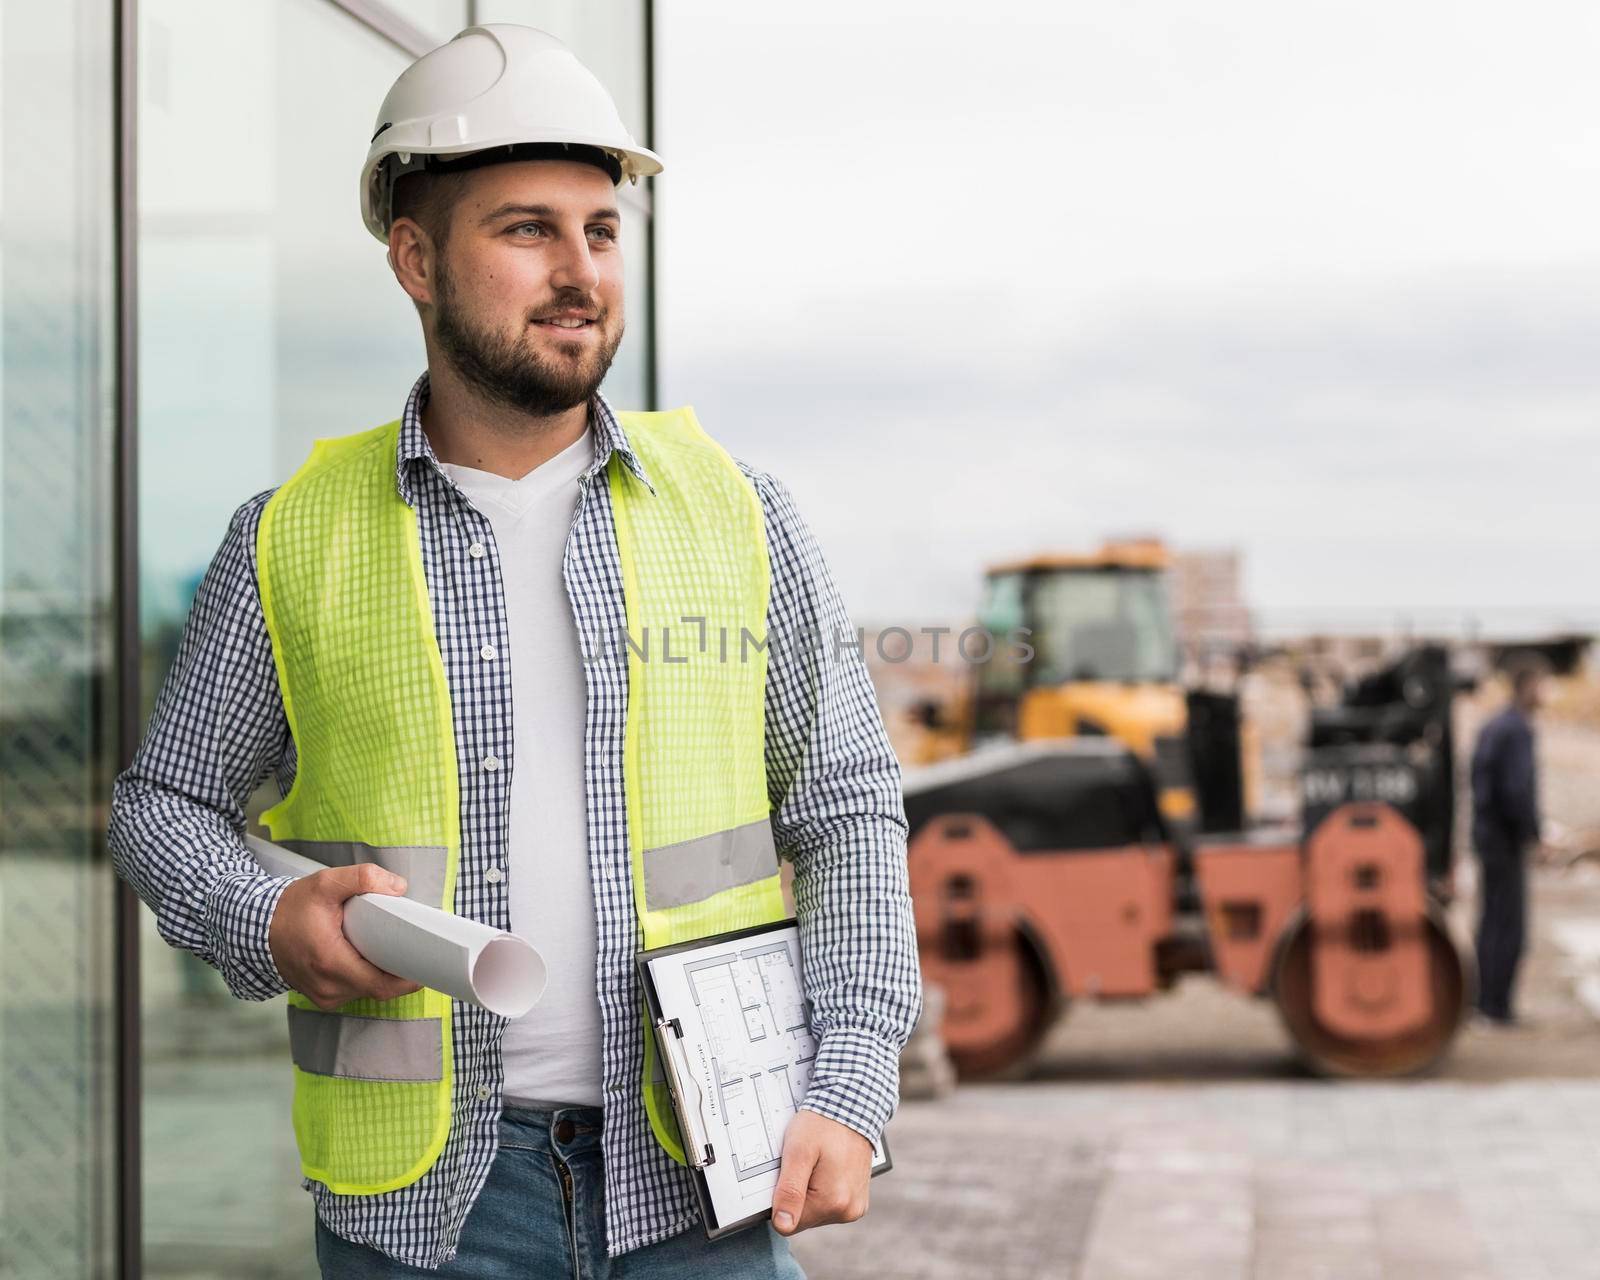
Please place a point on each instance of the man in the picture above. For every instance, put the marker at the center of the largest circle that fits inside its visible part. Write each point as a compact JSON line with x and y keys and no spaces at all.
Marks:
{"x":1505,"y":827}
{"x":418,"y":631}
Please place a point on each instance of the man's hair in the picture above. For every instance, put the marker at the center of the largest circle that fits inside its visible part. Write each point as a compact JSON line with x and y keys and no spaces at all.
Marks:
{"x":1524,"y":671}
{"x":428,"y":198}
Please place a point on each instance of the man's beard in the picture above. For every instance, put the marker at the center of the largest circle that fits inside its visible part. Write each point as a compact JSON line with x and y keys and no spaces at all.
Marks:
{"x":506,"y":371}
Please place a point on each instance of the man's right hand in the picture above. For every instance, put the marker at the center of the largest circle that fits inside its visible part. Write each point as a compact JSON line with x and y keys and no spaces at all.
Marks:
{"x":307,"y":939}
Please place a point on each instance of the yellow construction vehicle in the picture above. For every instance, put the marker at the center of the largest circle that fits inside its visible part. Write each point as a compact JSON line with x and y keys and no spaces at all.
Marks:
{"x":1104,"y":664}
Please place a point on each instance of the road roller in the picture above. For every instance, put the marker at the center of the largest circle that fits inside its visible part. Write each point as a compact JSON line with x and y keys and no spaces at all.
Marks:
{"x":1104,"y":664}
{"x":1048,"y":871}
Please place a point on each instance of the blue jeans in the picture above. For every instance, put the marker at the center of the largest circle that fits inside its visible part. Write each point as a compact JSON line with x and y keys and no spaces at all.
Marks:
{"x":542,"y":1213}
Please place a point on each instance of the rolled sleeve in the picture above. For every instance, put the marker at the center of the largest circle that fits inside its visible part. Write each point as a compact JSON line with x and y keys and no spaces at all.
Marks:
{"x":839,"y":817}
{"x":238,"y":919}
{"x":855,"y":1080}
{"x":178,"y":811}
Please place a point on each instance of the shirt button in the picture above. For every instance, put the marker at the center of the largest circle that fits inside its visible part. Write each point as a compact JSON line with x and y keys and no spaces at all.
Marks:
{"x":487,"y":653}
{"x":491,"y":762}
{"x":494,"y":875}
{"x":476,"y":551}
{"x":484,"y":1093}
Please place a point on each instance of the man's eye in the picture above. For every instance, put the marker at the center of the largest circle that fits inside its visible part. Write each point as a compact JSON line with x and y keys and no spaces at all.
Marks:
{"x":528,"y":226}
{"x":605,"y":233}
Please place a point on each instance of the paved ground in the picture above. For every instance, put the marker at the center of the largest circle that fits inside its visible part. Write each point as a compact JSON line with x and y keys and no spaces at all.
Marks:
{"x":1174,"y":1139}
{"x":1180,"y":1139}
{"x":1272,"y":1181}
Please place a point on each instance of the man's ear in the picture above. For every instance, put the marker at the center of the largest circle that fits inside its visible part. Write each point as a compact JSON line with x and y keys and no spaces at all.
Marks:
{"x":411,"y":256}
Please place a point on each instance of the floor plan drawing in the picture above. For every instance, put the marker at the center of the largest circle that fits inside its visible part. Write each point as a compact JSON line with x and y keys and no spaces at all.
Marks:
{"x":734,"y":1027}
{"x":756,"y":1018}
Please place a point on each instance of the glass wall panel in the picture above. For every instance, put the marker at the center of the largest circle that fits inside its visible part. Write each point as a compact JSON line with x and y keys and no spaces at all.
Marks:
{"x":268,"y":317}
{"x":629,"y":384}
{"x":57,"y":686}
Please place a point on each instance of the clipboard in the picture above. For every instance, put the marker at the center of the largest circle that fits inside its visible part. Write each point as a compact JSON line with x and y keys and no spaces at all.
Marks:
{"x":734,"y":1045}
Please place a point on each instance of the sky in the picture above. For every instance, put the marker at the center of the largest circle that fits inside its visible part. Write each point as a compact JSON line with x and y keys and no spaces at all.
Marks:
{"x":1319,"y":282}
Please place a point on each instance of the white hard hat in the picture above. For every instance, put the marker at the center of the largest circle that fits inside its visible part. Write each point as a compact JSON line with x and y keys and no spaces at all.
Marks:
{"x":495,"y":85}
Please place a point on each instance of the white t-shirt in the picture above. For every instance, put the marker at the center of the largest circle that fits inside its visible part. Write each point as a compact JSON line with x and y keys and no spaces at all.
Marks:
{"x":552,"y":1054}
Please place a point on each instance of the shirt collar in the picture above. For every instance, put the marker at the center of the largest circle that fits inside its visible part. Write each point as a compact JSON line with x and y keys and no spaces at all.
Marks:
{"x":609,"y":438}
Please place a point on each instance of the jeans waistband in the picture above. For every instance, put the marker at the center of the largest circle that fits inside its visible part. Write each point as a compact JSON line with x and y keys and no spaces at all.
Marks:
{"x":539,"y":1107}
{"x":566,"y":1131}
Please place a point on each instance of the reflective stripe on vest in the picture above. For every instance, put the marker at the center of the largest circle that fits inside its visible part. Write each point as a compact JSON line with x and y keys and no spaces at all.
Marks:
{"x":357,"y":1048}
{"x":677,"y":874}
{"x":423,"y":866}
{"x":348,"y":612}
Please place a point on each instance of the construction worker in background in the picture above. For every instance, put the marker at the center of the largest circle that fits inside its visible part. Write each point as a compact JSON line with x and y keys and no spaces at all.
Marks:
{"x":1505,"y":832}
{"x":420,"y":629}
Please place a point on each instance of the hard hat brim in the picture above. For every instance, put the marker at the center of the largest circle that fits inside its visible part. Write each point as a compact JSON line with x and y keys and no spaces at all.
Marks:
{"x":636,"y":162}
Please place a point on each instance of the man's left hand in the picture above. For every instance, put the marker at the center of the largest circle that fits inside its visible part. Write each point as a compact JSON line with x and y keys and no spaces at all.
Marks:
{"x":824,"y":1175}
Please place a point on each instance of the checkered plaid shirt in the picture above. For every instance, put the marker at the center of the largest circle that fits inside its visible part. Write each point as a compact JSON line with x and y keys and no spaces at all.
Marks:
{"x":219,"y":731}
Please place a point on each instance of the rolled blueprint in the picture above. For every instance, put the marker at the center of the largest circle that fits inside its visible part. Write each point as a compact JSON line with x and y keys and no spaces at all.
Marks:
{"x":496,"y":970}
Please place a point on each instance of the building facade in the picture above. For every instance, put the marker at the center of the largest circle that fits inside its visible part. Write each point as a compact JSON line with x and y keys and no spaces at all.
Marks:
{"x":187,"y":300}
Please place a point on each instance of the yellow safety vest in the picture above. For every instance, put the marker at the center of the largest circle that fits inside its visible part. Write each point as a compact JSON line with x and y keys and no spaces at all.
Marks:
{"x":347,"y":607}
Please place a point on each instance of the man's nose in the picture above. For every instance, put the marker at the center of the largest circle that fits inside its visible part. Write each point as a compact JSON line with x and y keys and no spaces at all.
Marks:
{"x":573,"y":266}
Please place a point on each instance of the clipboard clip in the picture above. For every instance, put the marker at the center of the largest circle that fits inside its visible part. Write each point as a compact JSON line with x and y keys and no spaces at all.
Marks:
{"x":680,"y":1081}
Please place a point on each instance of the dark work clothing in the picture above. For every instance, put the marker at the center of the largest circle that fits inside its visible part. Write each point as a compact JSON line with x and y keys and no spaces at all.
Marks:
{"x":1502,"y":928}
{"x":1505,"y":822}
{"x":1505,"y":784}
